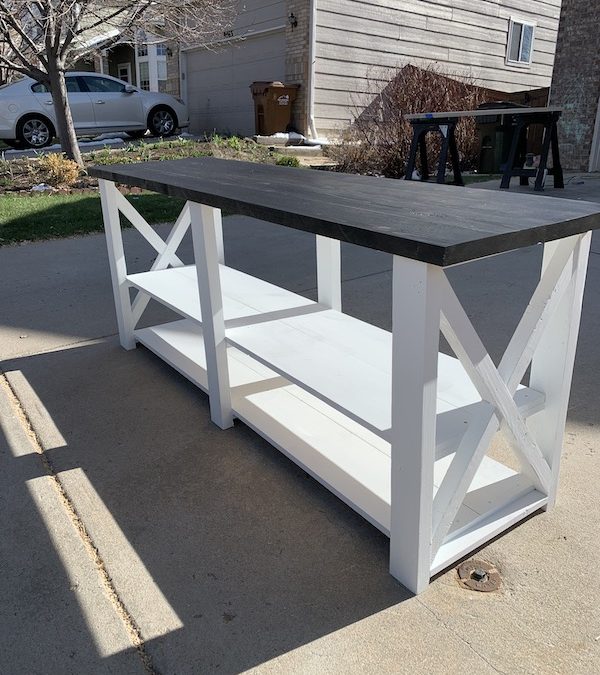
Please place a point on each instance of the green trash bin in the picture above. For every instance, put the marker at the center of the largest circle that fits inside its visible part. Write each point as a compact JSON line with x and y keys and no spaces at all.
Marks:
{"x":495,"y":137}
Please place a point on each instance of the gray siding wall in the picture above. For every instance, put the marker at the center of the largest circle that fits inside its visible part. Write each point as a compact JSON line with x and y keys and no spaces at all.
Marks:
{"x":358,"y":39}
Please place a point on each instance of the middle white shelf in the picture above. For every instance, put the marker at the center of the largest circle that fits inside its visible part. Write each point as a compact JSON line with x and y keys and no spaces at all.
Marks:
{"x":337,"y":358}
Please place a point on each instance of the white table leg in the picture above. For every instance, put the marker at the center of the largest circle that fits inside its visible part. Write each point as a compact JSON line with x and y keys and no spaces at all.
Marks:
{"x":416,"y":336}
{"x":553,"y":361}
{"x":329,"y":272}
{"x":205,"y":224}
{"x":117,"y":262}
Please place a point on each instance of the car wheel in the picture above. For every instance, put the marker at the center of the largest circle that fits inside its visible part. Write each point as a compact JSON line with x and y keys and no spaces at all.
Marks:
{"x":162,"y":121}
{"x":35,"y":131}
{"x":138,"y":133}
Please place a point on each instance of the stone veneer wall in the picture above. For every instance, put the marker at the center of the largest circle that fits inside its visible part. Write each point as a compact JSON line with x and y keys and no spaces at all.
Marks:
{"x":296,"y":60}
{"x":576,"y":80}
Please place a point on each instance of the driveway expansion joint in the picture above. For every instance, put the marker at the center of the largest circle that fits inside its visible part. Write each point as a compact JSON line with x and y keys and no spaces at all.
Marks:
{"x":131,"y":627}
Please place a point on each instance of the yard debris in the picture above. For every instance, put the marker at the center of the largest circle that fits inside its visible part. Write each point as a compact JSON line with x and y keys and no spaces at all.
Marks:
{"x":31,"y":174}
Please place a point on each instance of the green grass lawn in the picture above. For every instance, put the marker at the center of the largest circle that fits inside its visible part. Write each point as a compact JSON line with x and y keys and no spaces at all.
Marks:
{"x":29,"y":217}
{"x":45,"y":216}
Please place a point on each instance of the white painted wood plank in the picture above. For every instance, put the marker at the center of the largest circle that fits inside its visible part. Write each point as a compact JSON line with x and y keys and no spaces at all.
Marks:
{"x":329,"y":272}
{"x":554,"y":357}
{"x":479,"y":532}
{"x":466,"y":344}
{"x":416,"y":305}
{"x":164,"y":259}
{"x":556,"y":278}
{"x":339,"y":358}
{"x":204,"y":227}
{"x":244,"y":295}
{"x":549,"y":292}
{"x":117,"y":262}
{"x":180,"y":347}
{"x":461,"y":472}
{"x":140,"y":224}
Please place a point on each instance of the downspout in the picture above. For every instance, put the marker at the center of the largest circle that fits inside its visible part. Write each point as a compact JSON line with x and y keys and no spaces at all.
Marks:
{"x":312,"y":50}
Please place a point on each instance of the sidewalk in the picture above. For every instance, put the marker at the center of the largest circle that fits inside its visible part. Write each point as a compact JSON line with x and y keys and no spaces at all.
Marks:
{"x":135,"y":536}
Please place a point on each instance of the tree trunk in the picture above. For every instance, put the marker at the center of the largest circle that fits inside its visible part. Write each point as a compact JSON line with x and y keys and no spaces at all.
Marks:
{"x":62,"y":110}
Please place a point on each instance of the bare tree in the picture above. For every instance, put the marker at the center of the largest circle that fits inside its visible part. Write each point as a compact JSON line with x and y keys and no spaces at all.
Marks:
{"x":45,"y":38}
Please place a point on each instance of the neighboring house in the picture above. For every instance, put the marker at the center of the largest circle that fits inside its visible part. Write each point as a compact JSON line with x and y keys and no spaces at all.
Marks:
{"x":334,"y":49}
{"x":151,"y":65}
{"x":576,"y":85}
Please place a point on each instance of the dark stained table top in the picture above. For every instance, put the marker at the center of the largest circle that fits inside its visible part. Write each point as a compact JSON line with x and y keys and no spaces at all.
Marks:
{"x":439,"y":224}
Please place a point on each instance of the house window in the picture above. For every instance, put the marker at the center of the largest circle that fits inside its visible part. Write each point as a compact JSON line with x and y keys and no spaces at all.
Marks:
{"x":144,"y":75}
{"x":161,"y":68}
{"x":520,"y":42}
{"x":151,"y":64}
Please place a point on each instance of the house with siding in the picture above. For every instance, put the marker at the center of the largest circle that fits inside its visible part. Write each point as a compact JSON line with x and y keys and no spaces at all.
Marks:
{"x":337,"y":51}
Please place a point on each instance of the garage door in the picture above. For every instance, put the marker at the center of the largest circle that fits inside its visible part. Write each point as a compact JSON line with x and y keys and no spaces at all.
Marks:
{"x":218,"y":82}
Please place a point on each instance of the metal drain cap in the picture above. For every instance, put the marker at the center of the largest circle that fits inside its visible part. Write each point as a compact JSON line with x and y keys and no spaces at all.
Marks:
{"x":478,"y":575}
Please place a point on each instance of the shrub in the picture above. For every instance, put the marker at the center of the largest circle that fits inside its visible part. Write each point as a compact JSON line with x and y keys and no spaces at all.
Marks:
{"x":378,"y":139}
{"x":234,"y":143}
{"x":59,"y":169}
{"x":287,"y":160}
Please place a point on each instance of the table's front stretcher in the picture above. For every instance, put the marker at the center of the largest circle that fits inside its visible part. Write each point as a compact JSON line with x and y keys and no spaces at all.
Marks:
{"x":397,"y":430}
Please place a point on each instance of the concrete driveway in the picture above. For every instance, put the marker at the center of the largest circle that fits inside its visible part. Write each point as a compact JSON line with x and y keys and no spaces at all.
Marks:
{"x":137,"y":537}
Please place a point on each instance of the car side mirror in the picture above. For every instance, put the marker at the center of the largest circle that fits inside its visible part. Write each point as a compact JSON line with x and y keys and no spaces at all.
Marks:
{"x":130,"y":89}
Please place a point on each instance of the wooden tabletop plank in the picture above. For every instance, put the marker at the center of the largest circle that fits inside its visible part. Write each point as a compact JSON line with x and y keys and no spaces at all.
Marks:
{"x":480,"y":113}
{"x":439,"y":224}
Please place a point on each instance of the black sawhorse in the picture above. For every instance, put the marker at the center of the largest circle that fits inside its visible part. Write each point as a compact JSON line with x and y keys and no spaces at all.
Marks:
{"x":514,"y":167}
{"x":445,"y":127}
{"x":520,"y":119}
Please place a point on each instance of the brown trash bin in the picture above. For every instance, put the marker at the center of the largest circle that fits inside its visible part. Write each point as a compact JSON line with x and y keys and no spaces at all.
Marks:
{"x":272,"y":106}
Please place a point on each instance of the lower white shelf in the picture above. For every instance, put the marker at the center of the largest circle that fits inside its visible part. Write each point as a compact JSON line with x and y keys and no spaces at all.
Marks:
{"x":350,"y":460}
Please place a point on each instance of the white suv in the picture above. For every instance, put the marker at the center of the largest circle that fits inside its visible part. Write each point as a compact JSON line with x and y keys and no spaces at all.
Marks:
{"x":100,"y":104}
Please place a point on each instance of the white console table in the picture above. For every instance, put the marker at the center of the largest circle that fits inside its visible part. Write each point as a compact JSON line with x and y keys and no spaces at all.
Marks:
{"x":394,"y":428}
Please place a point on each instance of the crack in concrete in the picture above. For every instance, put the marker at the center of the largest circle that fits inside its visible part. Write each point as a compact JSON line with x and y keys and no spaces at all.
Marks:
{"x":460,"y":637}
{"x":132,"y":629}
{"x":59,"y":347}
